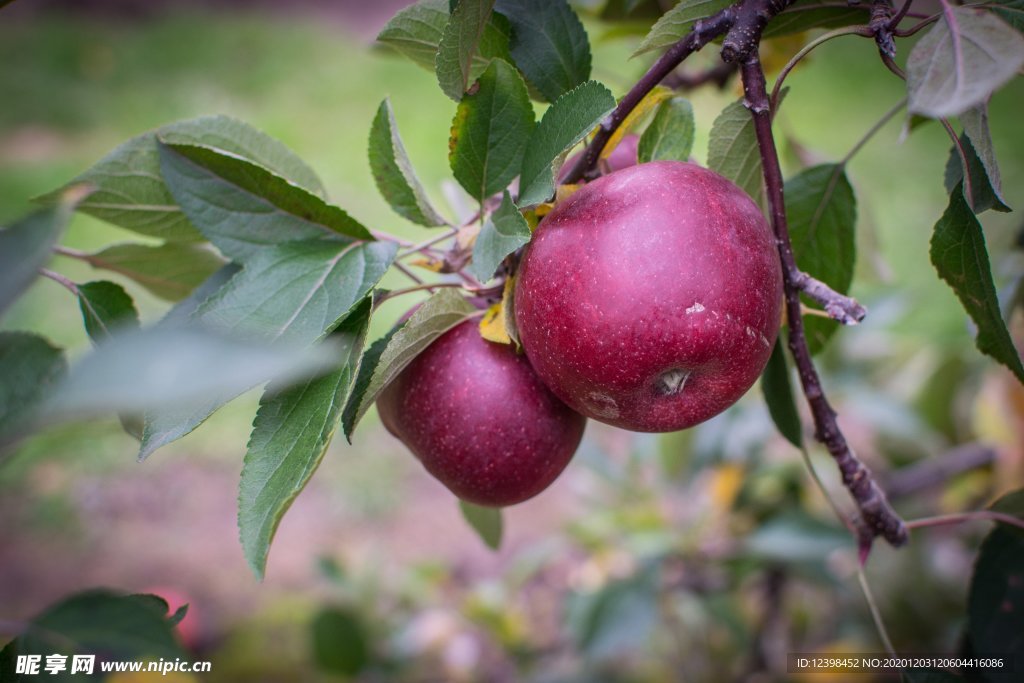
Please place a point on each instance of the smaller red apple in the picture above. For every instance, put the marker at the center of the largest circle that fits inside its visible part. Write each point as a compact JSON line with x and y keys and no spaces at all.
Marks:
{"x":480,"y":420}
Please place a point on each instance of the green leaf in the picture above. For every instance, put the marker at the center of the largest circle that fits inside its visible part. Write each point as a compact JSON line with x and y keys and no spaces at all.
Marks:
{"x":340,"y":641}
{"x":778,"y":394}
{"x":670,"y":134}
{"x":984,"y":189}
{"x":1011,"y":503}
{"x":131,"y":192}
{"x":100,"y":622}
{"x":618,"y":619}
{"x":504,"y":231}
{"x":243,"y":208}
{"x":995,"y":601}
{"x":959,"y":255}
{"x":565,"y":124}
{"x":1012,"y":12}
{"x":294,"y":293}
{"x":962,"y":60}
{"x":795,"y":538}
{"x":154,"y":368}
{"x":438,"y":314}
{"x":170,"y":271}
{"x":733,"y":151}
{"x":822,"y":212}
{"x":367,"y":365}
{"x":27,"y":245}
{"x":106,"y":308}
{"x":416,"y":31}
{"x":677,"y":22}
{"x":31,"y":368}
{"x":549,"y":44}
{"x":290,"y":435}
{"x":799,"y":16}
{"x":458,"y":45}
{"x":297,"y":292}
{"x":490,"y":132}
{"x":486,"y":522}
{"x":393,"y":171}
{"x":183,"y":311}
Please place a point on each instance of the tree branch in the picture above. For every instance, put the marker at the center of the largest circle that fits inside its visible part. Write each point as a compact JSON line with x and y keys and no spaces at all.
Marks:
{"x":839,"y":307}
{"x":877,"y":516}
{"x":704,"y":31}
{"x":719,"y":75}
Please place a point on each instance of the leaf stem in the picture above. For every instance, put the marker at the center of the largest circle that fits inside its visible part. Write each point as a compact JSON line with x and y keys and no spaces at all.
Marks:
{"x":408,"y":273}
{"x":895,"y":21}
{"x":417,"y":288}
{"x":957,"y":518}
{"x":806,"y":49}
{"x":388,"y":237}
{"x":886,"y":117}
{"x":924,"y":23}
{"x":426,"y":244}
{"x":876,"y":616}
{"x":60,"y":279}
{"x":962,"y":153}
{"x":71,"y":253}
{"x":877,"y":516}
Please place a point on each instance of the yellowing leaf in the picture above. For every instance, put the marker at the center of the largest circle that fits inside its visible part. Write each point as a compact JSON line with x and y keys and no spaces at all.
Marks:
{"x":508,"y":310}
{"x":726,"y":481}
{"x":650,"y":101}
{"x":492,"y":325}
{"x":432,"y":264}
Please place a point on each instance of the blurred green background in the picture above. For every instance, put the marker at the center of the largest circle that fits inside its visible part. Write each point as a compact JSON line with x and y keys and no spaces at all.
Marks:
{"x":651,"y":555}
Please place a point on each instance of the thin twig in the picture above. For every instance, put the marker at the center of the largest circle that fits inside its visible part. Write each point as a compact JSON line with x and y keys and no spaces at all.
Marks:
{"x":957,"y":518}
{"x":879,"y":519}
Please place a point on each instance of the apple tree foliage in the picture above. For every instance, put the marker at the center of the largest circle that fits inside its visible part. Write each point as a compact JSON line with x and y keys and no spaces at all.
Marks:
{"x":271,"y":284}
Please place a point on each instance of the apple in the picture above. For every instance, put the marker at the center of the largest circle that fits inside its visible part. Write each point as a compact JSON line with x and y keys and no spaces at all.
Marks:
{"x":650,"y":299}
{"x":480,"y":420}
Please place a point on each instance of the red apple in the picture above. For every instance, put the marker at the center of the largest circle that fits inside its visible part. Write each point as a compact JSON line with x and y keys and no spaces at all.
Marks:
{"x":650,"y":299}
{"x":480,"y":420}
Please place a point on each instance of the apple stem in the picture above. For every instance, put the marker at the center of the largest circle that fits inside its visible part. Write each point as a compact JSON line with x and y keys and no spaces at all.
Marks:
{"x":877,"y":517}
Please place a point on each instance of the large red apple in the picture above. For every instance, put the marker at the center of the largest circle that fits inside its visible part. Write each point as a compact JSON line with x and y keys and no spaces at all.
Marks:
{"x":480,"y":420}
{"x":650,"y":299}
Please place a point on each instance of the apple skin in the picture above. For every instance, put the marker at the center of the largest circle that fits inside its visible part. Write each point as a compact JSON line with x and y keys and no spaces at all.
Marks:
{"x":650,"y":299}
{"x":480,"y":420}
{"x":623,"y":156}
